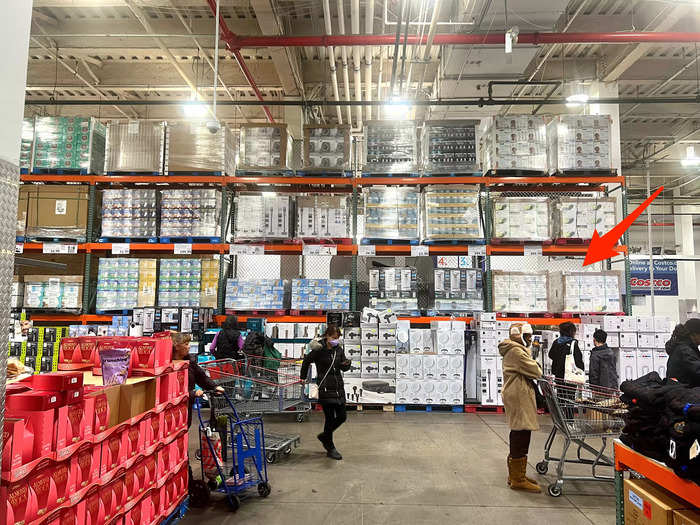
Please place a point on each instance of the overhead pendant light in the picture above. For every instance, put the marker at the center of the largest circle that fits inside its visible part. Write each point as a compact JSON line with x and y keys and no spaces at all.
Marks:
{"x":690,"y":158}
{"x":397,"y":109}
{"x":577,"y":96}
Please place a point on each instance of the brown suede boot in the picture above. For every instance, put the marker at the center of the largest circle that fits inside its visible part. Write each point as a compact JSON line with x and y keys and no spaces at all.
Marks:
{"x":526,"y":476}
{"x":516,"y":476}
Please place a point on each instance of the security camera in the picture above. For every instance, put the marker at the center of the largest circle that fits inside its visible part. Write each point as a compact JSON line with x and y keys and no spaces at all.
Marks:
{"x":213,"y":126}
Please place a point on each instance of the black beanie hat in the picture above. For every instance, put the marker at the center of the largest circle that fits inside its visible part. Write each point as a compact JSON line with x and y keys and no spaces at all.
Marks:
{"x":693,"y":325}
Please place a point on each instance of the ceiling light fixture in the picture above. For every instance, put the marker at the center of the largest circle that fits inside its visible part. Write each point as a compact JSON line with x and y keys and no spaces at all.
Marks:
{"x":690,"y":159}
{"x":576,"y":100}
{"x":194,"y":109}
{"x":397,"y":109}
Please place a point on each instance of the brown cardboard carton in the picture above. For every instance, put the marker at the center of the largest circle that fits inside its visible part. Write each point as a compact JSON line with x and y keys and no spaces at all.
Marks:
{"x":57,"y":211}
{"x":686,"y":517}
{"x":648,"y":504}
{"x":22,"y":201}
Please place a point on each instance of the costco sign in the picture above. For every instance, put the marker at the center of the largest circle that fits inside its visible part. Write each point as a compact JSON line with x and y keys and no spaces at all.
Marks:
{"x":665,"y":278}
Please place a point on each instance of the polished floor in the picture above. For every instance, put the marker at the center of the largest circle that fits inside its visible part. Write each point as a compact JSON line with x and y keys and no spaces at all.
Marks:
{"x":411,"y":468}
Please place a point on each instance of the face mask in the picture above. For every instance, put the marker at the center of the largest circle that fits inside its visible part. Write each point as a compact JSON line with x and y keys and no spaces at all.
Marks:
{"x":334,"y":342}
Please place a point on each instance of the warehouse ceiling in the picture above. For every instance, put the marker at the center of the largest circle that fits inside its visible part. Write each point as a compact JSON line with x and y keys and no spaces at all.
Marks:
{"x":87,"y":50}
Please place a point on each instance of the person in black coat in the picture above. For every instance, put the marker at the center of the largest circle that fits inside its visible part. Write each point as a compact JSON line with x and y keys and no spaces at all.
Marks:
{"x":329,"y":357}
{"x":228,"y":342}
{"x":563,"y":346}
{"x":683,"y":354}
{"x":603,"y":365}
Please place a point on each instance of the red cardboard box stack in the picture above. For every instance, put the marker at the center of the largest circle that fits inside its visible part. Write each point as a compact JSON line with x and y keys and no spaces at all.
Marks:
{"x":77,"y":452}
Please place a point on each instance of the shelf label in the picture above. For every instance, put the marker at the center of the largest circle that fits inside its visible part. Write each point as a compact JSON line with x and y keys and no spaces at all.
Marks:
{"x":478,"y":250}
{"x":367,"y":250}
{"x":19,"y":247}
{"x":419,"y":251}
{"x":182,"y":249}
{"x":447,"y":261}
{"x":246,"y":249}
{"x":320,"y":249}
{"x":464,"y":261}
{"x":532,"y":249}
{"x":121,"y":248}
{"x":57,"y":247}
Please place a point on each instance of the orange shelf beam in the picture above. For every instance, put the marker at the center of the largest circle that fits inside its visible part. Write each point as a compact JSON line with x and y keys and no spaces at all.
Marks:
{"x":69,"y":318}
{"x":628,"y":459}
{"x":556,"y":180}
{"x":158,"y":247}
{"x":547,"y":250}
{"x":295,"y":181}
{"x":419,"y":181}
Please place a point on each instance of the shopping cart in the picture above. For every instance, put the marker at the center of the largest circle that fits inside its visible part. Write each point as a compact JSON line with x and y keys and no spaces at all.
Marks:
{"x":579,"y":412}
{"x":238,"y":471}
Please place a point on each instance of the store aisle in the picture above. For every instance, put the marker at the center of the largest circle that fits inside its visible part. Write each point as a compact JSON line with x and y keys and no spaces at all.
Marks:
{"x":411,"y":468}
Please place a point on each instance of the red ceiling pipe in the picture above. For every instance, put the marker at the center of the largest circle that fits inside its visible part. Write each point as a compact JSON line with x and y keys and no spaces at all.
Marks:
{"x":229,"y":37}
{"x":237,"y":41}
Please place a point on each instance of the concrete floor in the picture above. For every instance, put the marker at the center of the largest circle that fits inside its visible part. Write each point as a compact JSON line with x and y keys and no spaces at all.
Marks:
{"x":410,"y":468}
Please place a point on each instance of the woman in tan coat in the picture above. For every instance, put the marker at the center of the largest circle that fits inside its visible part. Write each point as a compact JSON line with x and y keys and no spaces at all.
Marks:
{"x":519,"y":370}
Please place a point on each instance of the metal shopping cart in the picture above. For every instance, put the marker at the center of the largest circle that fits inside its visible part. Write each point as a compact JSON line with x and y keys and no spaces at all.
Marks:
{"x":579,"y":412}
{"x":242,"y":468}
{"x":256,"y":390}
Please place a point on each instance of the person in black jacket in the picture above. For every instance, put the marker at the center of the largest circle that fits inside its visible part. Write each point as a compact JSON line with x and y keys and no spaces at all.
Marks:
{"x":329,"y":357}
{"x":603,"y":365}
{"x":195,"y":375}
{"x":228,"y":342}
{"x":683,"y":354}
{"x":563,"y":346}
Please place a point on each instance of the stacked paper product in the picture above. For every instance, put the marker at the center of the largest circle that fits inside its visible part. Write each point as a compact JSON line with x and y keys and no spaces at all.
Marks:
{"x":579,"y":217}
{"x":179,"y":282}
{"x":60,"y":292}
{"x":190,"y":213}
{"x":72,"y":143}
{"x":592,"y":292}
{"x":265,"y":146}
{"x":191,"y":147}
{"x":579,"y":142}
{"x":129,"y":213}
{"x":263,"y":216}
{"x":327,"y":147}
{"x":322,"y":217}
{"x":392,"y":213}
{"x":451,"y":213}
{"x":254,"y":294}
{"x":526,"y":218}
{"x":459,"y":290}
{"x":135,"y":146}
{"x":521,"y":292}
{"x":449,"y":146}
{"x":320,"y":294}
{"x":391,"y":147}
{"x":124,"y":283}
{"x":514,"y":142}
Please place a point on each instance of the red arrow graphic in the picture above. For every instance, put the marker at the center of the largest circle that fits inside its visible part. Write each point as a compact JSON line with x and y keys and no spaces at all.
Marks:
{"x":601,"y":248}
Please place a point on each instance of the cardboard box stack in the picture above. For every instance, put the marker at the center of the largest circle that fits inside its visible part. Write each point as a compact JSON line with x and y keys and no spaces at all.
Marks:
{"x":579,"y":142}
{"x":320,"y":294}
{"x":77,"y":452}
{"x":515,"y":142}
{"x":191,"y":147}
{"x":588,"y":292}
{"x":129,"y":213}
{"x":641,"y":342}
{"x":646,"y":503}
{"x":70,"y":143}
{"x":393,"y":287}
{"x":323,"y":217}
{"x":210,"y":283}
{"x":391,"y":147}
{"x":265,"y":146}
{"x":124,"y":283}
{"x":263,"y":216}
{"x":255,"y":294}
{"x":451,"y":213}
{"x":579,"y":217}
{"x":190,"y":213}
{"x":531,"y":292}
{"x":450,"y":146}
{"x":327,"y":148}
{"x":392,"y":213}
{"x":459,"y":290}
{"x":522,"y":219}
{"x":135,"y":146}
{"x":179,"y":282}
{"x":490,"y":364}
{"x":17,"y":294}
{"x":55,"y":292}
{"x":57,"y":212}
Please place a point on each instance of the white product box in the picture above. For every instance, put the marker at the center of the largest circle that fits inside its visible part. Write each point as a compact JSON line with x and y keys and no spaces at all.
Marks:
{"x":442,"y":393}
{"x":370,"y":351}
{"x":370,"y":333}
{"x":456,"y":367}
{"x":502,"y":335}
{"x":488,"y":347}
{"x":586,"y":356}
{"x":441,"y":325}
{"x":613,"y":340}
{"x":660,"y":340}
{"x":403,"y":330}
{"x":421,"y":340}
{"x":587,"y":345}
{"x":488,"y":325}
{"x":416,"y":396}
{"x":645,"y":324}
{"x":387,"y":368}
{"x":415,"y":366}
{"x":628,"y":340}
{"x":627,"y":365}
{"x":457,"y":341}
{"x":663,"y":324}
{"x":442,"y":340}
{"x":402,"y":391}
{"x":588,"y":330}
{"x":430,"y":370}
{"x":353,"y":351}
{"x":299,"y":350}
{"x":645,"y":361}
{"x":355,"y":369}
{"x":286,"y":349}
{"x":471,"y":372}
{"x":660,"y":362}
{"x":488,"y":381}
{"x":387,"y":334}
{"x":430,"y":393}
{"x":371,"y":390}
{"x":646,"y":340}
{"x":459,"y":325}
{"x":442,"y":367}
{"x":487,"y":316}
{"x":612,"y":323}
{"x":456,"y":390}
{"x":403,"y":366}
{"x":628,"y":323}
{"x":503,"y":325}
{"x":370,"y":369}
{"x":387,"y":352}
{"x":352,"y":333}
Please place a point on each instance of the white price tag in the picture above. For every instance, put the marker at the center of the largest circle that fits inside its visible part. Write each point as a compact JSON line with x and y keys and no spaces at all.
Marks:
{"x":419,"y":251}
{"x":367,"y":250}
{"x":320,"y":249}
{"x":464,"y":261}
{"x":19,"y":247}
{"x":121,"y":248}
{"x":246,"y":249}
{"x":477,"y":250}
{"x":182,"y":249}
{"x":532,"y":249}
{"x":447,"y":261}
{"x":57,"y":247}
